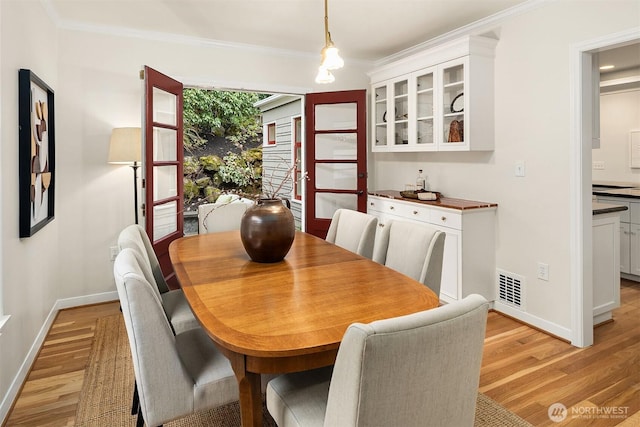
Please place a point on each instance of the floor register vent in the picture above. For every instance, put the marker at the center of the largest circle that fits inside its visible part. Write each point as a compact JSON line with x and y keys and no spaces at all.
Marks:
{"x":510,"y":288}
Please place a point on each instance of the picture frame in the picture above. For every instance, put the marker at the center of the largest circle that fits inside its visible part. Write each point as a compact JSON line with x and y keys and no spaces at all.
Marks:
{"x":36,"y":157}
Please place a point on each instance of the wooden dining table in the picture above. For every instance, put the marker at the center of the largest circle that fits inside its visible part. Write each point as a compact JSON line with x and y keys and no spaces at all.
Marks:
{"x":290,"y":315}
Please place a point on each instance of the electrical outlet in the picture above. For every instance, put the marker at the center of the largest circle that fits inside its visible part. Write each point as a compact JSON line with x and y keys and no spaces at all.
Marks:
{"x":543,"y":271}
{"x":113,"y":252}
{"x":598,"y":165}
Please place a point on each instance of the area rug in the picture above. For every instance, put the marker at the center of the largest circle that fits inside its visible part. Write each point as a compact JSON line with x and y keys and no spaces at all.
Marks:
{"x":107,"y":390}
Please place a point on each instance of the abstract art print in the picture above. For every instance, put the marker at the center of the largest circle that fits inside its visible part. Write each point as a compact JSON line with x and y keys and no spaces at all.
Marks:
{"x":36,"y":153}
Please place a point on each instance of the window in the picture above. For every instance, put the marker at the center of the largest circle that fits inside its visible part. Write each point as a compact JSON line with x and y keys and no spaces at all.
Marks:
{"x":269,"y":134}
{"x":297,"y":158}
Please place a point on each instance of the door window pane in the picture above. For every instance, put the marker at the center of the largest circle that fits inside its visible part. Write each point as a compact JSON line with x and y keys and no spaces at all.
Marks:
{"x":164,"y":107}
{"x":164,"y":144}
{"x":327,"y":203}
{"x":339,"y":176}
{"x":336,"y":116}
{"x":165,"y":220}
{"x":164,"y":179}
{"x":336,"y":146}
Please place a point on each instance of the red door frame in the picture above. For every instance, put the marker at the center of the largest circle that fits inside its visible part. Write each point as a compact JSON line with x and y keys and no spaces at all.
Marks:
{"x":320,"y":226}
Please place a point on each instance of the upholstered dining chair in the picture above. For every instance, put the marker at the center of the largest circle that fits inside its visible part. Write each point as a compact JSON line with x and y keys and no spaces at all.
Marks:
{"x":173,"y":301}
{"x":214,"y":217}
{"x":176,"y":375}
{"x":354,"y":231}
{"x":422,"y":369}
{"x":413,"y":249}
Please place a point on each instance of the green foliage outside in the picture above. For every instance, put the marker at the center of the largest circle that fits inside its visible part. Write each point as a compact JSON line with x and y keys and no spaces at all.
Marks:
{"x":232,"y":115}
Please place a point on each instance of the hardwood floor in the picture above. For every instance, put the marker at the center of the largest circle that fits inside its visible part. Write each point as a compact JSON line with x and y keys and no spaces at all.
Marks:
{"x":523,"y":369}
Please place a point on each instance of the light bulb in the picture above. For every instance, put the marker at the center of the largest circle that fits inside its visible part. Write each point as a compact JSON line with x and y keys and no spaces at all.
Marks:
{"x":324,"y":76}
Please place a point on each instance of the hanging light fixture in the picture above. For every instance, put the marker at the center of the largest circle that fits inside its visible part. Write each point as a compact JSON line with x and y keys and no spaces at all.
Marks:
{"x":331,"y":59}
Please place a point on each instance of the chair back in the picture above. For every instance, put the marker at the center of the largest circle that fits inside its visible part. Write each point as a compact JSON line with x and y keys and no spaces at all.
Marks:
{"x":417,"y":370}
{"x":214,"y":217}
{"x":415,"y":250}
{"x":160,"y":374}
{"x":354,"y":231}
{"x":135,"y":237}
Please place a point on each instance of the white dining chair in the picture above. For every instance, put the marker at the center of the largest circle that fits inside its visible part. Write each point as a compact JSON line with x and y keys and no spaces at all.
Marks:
{"x":354,"y":231}
{"x":416,"y":250}
{"x":216,"y":217}
{"x":176,"y":375}
{"x":422,"y":369}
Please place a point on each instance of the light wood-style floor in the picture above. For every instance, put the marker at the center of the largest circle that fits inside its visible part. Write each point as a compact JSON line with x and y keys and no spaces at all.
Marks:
{"x":523,"y":369}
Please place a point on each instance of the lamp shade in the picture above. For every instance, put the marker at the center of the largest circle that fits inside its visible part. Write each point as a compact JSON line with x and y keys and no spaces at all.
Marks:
{"x":125,"y":146}
{"x":324,"y":76}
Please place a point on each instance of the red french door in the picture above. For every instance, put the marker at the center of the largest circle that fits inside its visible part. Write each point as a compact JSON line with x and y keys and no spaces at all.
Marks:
{"x":336,"y":156}
{"x":163,"y":165}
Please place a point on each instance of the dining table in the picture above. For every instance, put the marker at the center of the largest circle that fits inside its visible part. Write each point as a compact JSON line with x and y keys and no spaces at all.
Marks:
{"x":287,"y":316}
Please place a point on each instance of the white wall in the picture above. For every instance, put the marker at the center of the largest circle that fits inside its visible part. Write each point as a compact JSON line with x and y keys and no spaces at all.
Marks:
{"x":29,"y":275}
{"x":619,"y":114}
{"x":532,"y":123}
{"x":96,"y":84}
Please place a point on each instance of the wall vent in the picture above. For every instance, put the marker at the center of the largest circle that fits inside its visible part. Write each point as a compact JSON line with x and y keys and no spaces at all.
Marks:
{"x":510,"y":288}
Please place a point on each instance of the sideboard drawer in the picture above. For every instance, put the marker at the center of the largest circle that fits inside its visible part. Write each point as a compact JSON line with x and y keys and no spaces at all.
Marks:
{"x":446,"y":219}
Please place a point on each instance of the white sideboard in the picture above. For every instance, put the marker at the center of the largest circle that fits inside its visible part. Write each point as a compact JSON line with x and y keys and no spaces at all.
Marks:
{"x":469,"y":252}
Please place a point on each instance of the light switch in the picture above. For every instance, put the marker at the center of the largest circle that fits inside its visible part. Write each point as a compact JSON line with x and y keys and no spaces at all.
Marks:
{"x":520,"y":169}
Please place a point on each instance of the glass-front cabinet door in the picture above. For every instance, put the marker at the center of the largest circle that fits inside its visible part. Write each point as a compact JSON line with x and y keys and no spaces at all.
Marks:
{"x":425,"y":109}
{"x":380,"y":115}
{"x":453,"y":105}
{"x":399,"y":115}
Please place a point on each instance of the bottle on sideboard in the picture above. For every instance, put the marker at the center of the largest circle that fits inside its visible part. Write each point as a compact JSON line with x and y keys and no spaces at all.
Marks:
{"x":420,"y":181}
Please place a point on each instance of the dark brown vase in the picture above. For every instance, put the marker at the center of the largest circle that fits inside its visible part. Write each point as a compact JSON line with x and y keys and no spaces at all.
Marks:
{"x":267,"y":230}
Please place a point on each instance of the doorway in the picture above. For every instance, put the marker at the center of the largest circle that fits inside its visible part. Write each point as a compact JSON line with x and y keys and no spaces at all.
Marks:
{"x":583,"y":86}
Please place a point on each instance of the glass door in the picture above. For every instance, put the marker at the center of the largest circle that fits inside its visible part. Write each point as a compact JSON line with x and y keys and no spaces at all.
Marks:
{"x":335,"y":156}
{"x":163,"y":165}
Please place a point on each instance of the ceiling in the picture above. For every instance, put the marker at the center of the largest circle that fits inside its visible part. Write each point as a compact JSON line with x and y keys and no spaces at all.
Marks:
{"x":367,"y":30}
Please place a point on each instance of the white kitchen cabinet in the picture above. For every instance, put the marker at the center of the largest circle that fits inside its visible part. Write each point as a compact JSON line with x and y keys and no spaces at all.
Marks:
{"x":441,"y":99}
{"x":629,"y":236}
{"x":605,"y":266}
{"x":469,"y":249}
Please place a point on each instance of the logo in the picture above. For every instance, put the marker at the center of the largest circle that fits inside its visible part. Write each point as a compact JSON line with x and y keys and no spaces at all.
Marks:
{"x":557,"y":412}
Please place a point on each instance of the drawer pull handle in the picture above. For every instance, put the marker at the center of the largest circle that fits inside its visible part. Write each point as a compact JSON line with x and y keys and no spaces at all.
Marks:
{"x":391,"y":207}
{"x":415,"y":212}
{"x":380,"y":225}
{"x":443,"y":219}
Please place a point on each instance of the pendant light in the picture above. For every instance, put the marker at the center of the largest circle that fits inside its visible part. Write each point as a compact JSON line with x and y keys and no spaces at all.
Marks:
{"x":331,"y":59}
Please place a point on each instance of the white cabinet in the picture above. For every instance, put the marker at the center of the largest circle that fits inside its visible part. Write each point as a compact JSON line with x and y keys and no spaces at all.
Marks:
{"x":629,"y":236}
{"x":441,"y":99}
{"x":469,"y":248}
{"x":605,"y":266}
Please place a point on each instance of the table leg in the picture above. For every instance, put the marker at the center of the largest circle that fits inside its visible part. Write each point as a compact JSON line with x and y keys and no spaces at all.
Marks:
{"x":249,"y":386}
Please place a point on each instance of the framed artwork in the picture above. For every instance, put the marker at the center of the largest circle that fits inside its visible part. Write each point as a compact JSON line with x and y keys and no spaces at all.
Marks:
{"x":36,"y":154}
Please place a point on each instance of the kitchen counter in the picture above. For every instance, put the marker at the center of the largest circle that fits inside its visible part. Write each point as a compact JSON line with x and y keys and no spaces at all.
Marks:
{"x":443,"y":202}
{"x":604,"y":208}
{"x":629,"y":190}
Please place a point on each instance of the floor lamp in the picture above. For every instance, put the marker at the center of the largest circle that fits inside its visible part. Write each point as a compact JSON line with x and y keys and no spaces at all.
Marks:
{"x":125,"y":148}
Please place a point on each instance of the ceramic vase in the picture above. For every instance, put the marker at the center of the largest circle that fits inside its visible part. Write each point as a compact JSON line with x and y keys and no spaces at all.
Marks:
{"x":267,"y":230}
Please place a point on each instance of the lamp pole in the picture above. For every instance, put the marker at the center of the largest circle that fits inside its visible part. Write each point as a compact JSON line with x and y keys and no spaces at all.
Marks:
{"x":135,"y":167}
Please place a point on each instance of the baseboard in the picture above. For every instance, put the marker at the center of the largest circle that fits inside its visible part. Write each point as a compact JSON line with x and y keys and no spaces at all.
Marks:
{"x":23,"y":372}
{"x":536,"y":322}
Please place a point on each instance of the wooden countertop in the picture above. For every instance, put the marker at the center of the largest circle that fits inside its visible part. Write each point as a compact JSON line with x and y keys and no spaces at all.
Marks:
{"x":443,"y":202}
